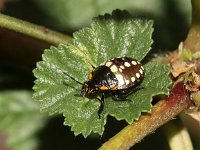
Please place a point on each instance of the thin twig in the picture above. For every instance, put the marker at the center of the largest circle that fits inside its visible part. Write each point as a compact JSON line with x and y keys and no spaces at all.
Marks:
{"x":32,"y":30}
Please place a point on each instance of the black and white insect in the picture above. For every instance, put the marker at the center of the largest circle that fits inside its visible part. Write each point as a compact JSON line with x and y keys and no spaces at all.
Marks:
{"x":118,"y":77}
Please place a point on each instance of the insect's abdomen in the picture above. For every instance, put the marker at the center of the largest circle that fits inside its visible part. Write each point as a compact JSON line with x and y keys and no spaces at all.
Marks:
{"x":128,"y":71}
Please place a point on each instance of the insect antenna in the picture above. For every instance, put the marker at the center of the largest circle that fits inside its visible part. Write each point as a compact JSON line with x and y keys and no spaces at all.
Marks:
{"x":73,"y":78}
{"x":93,"y":67}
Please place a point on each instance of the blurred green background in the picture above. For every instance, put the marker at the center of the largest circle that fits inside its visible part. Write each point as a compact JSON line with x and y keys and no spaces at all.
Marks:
{"x":172,"y":17}
{"x":21,"y":124}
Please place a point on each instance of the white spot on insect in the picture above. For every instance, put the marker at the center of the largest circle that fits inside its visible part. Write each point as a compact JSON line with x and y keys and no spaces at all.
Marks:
{"x":127,"y":82}
{"x":133,"y":79}
{"x":120,"y":70}
{"x":142,"y":67}
{"x":138,"y":62}
{"x":122,"y":67}
{"x":126,"y":64}
{"x":108,"y":64}
{"x":137,"y":75}
{"x":114,"y":68}
{"x":120,"y":79}
{"x":134,"y":62}
{"x":141,"y":71}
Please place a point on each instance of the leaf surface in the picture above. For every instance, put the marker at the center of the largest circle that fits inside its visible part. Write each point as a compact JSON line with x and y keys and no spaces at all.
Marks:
{"x":109,"y":36}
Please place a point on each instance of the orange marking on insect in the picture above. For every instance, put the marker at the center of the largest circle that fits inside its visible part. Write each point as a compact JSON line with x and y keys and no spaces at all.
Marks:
{"x":103,"y":87}
{"x":90,"y":76}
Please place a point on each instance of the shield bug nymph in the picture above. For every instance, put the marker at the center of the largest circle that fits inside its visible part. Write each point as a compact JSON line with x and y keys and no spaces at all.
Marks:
{"x":118,"y":77}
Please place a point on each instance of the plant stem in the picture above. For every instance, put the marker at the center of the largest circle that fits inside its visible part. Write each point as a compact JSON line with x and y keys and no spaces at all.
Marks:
{"x":161,"y":113}
{"x":35,"y":31}
{"x":177,"y":135}
{"x":192,"y":42}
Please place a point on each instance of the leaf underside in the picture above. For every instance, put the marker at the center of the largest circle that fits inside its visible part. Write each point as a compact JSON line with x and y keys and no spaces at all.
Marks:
{"x":109,"y":36}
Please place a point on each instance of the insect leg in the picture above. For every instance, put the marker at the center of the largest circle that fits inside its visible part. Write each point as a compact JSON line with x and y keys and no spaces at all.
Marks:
{"x":101,"y":105}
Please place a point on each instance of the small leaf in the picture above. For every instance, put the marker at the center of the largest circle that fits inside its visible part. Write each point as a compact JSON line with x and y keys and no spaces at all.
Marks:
{"x":20,"y":119}
{"x":109,"y":36}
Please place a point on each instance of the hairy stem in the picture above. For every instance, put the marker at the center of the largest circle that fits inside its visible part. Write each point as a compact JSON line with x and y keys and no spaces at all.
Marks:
{"x":32,"y":30}
{"x":161,"y":113}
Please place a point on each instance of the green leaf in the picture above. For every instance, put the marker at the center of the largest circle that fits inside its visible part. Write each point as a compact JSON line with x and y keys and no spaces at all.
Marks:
{"x":109,"y":36}
{"x":20,"y":119}
{"x":113,"y":36}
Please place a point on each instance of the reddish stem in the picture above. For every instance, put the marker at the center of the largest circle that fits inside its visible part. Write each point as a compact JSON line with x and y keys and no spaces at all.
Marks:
{"x":162,"y":112}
